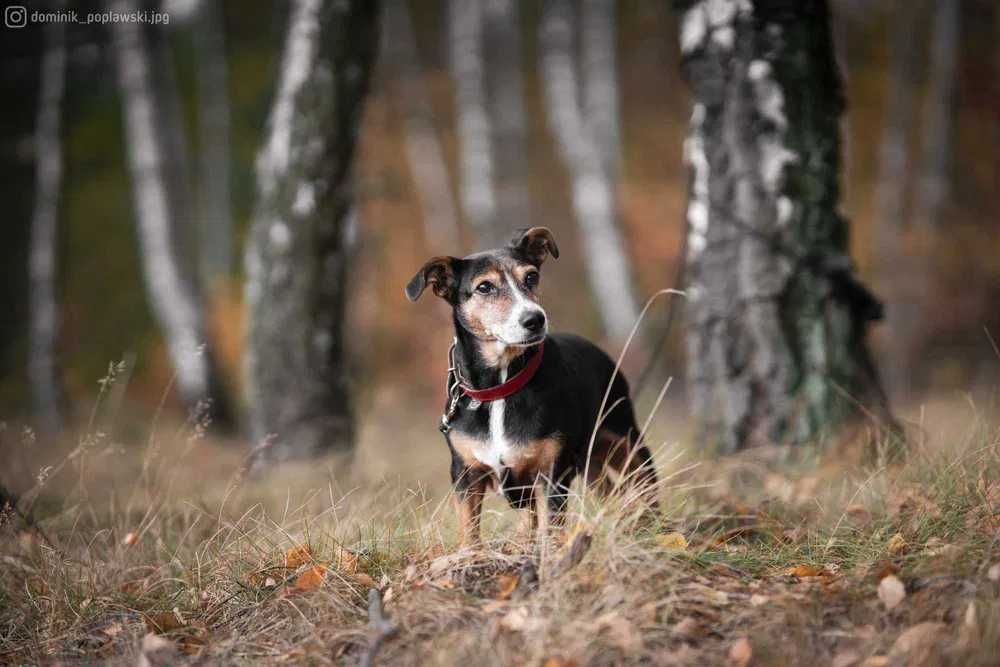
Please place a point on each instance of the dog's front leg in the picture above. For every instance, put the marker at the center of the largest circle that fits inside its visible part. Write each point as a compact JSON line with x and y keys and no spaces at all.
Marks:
{"x":469,"y":507}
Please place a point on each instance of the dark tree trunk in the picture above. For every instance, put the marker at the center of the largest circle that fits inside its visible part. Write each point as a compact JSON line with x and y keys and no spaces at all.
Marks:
{"x":216,"y":228}
{"x":299,"y":250}
{"x":44,"y":308}
{"x":776,"y":341}
{"x":154,"y":145}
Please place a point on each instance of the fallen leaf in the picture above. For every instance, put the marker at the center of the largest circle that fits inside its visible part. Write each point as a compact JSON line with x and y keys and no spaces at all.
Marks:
{"x":672,"y":541}
{"x":130,"y":539}
{"x":891,"y":591}
{"x":803,"y":571}
{"x":163,"y":623}
{"x":896,"y":544}
{"x":740,"y":653}
{"x":309,"y":580}
{"x":506,"y":585}
{"x":345,"y":560}
{"x":298,"y":556}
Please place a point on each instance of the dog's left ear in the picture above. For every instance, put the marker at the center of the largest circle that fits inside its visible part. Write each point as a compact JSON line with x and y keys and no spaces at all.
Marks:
{"x":537,"y":243}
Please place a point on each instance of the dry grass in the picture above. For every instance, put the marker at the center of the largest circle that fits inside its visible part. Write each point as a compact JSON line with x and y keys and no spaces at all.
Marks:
{"x":169,"y":538}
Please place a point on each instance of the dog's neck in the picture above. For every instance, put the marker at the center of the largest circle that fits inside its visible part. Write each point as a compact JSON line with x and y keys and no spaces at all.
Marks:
{"x":482,"y":363}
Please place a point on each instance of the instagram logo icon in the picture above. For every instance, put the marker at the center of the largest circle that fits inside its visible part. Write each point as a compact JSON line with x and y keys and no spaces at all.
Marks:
{"x":15,"y":16}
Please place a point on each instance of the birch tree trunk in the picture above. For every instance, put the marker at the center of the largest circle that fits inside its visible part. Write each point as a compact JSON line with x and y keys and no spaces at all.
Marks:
{"x":600,"y":78}
{"x":172,"y":291}
{"x":593,"y":192}
{"x":777,"y":319}
{"x":299,"y":253}
{"x":465,"y":24}
{"x":216,"y":228}
{"x":502,"y":38}
{"x":935,"y":175}
{"x":43,"y":371}
{"x":423,"y":147}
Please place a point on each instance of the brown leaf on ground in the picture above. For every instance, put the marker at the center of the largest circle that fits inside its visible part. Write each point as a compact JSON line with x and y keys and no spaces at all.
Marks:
{"x":309,"y":580}
{"x":163,"y":623}
{"x":559,"y":661}
{"x":741,"y":652}
{"x":896,"y":544}
{"x":298,"y":556}
{"x":130,"y":539}
{"x":672,"y":542}
{"x":345,"y":560}
{"x":891,"y":591}
{"x":506,"y":585}
{"x":804,"y":571}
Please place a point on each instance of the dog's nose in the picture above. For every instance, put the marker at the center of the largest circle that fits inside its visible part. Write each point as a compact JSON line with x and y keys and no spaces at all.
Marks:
{"x":533,"y":321}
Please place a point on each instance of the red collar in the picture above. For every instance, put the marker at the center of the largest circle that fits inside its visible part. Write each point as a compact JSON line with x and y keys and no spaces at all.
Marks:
{"x":511,"y":386}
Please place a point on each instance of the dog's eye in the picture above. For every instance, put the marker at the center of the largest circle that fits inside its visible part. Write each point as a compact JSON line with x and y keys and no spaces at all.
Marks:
{"x":485,"y":287}
{"x":531,"y":280}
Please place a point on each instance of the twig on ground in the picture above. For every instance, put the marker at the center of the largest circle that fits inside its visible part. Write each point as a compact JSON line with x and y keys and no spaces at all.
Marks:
{"x":378,"y":622}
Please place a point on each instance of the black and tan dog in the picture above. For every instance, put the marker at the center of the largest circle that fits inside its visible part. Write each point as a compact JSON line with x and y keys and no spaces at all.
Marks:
{"x":522,"y":404}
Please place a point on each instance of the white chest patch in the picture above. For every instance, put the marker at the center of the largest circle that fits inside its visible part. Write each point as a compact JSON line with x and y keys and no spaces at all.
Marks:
{"x":493,"y":451}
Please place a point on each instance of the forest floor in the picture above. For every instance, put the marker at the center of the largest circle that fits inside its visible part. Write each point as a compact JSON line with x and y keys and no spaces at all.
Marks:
{"x":169,"y":553}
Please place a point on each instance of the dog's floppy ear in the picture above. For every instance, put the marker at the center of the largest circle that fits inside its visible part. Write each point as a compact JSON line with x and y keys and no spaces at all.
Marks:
{"x":537,"y":243}
{"x":438,"y":272}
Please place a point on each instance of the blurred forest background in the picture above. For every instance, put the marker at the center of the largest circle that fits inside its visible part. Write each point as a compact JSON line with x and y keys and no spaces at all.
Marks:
{"x":921,"y":177}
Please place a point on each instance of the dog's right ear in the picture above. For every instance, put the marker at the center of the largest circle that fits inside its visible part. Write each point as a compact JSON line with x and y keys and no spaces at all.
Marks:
{"x":439,"y":273}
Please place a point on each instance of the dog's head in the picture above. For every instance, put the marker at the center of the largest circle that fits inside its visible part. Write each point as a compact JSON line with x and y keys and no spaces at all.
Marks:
{"x":494,"y":293}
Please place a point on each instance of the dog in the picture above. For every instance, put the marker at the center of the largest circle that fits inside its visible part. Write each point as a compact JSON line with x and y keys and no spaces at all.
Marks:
{"x":522,"y":404}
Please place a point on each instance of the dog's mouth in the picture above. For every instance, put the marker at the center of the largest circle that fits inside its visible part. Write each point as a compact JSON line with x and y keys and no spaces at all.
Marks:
{"x":527,"y":342}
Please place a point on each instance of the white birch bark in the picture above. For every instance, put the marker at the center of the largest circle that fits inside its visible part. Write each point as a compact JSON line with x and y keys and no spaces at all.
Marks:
{"x":216,"y":228}
{"x":593,"y":192}
{"x":301,"y":245}
{"x":598,"y":50}
{"x":43,"y":371}
{"x":935,"y":175}
{"x":423,"y":147}
{"x":475,"y":148}
{"x":172,"y":293}
{"x":505,"y":86}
